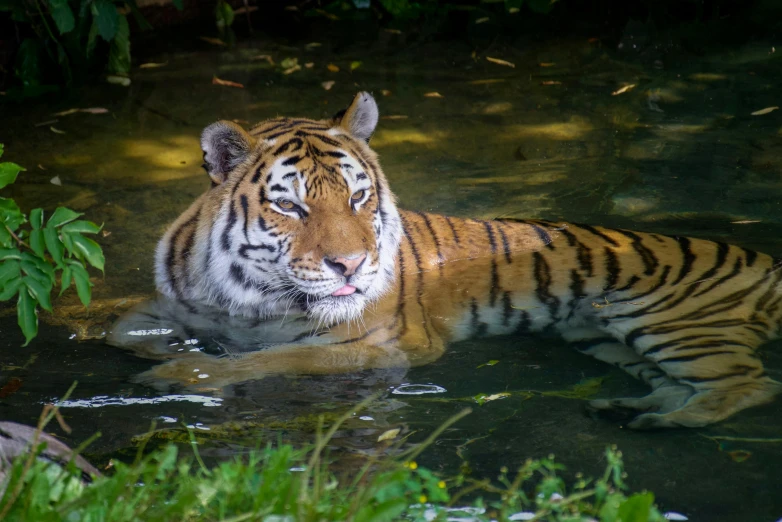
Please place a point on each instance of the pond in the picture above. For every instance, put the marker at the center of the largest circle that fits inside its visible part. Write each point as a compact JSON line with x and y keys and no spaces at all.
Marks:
{"x":573,"y":131}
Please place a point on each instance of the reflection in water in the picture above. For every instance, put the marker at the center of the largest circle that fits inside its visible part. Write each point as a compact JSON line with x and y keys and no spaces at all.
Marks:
{"x":680,"y":154}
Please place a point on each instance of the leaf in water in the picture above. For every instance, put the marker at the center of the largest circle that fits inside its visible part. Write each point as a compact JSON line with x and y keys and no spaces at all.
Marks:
{"x":213,"y":41}
{"x":119,"y":52}
{"x":489,"y":363}
{"x":56,"y":130}
{"x":292,"y":70}
{"x":243,"y":10}
{"x":394,"y":117}
{"x":56,"y":181}
{"x":551,"y":82}
{"x":501,"y":62}
{"x":115,"y":79}
{"x":27,"y":318}
{"x":488,"y":81}
{"x":482,"y":20}
{"x":385,"y":92}
{"x":582,"y":390}
{"x":547,"y":64}
{"x":333,"y":68}
{"x":739,"y":455}
{"x":226,"y":83}
{"x":309,"y":65}
{"x":328,"y":85}
{"x":761,"y":112}
{"x":224,"y":14}
{"x":393,"y":31}
{"x":8,"y":173}
{"x":289,"y":62}
{"x":13,"y":384}
{"x":623,"y":89}
{"x":313,"y":45}
{"x":745,"y":222}
{"x":355,"y":65}
{"x":95,"y":110}
{"x":266,"y":57}
{"x":433,"y":94}
{"x":66,"y":113}
{"x":152,"y":65}
{"x":673,"y":515}
{"x":388,"y":435}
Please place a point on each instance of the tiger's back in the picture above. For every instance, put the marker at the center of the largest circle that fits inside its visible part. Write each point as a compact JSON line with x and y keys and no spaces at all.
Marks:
{"x":300,"y":218}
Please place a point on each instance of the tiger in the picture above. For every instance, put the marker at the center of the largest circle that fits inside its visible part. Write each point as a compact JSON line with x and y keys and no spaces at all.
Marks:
{"x":300,"y":221}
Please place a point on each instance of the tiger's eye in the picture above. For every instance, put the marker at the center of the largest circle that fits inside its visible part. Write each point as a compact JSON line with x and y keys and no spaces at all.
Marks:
{"x":285,"y":204}
{"x":358,"y":196}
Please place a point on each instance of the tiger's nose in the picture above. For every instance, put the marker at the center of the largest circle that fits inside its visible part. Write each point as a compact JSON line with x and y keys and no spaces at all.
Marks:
{"x":345,"y":266}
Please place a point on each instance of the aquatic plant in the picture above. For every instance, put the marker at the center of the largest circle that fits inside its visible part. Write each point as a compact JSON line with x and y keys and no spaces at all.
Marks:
{"x":37,"y":254}
{"x":282,"y":483}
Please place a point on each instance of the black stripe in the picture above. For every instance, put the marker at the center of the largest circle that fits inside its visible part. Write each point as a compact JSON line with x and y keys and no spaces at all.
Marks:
{"x":291,"y":161}
{"x":490,"y":233}
{"x":436,"y":240}
{"x":739,"y":370}
{"x":544,"y":236}
{"x":279,"y":188}
{"x":494,"y":283}
{"x":737,"y":269}
{"x":507,"y":308}
{"x":245,"y":209}
{"x":648,"y":258}
{"x":596,"y":232}
{"x":225,"y":240}
{"x":751,"y":256}
{"x":505,"y":245}
{"x":257,"y":176}
{"x":584,"y":345}
{"x":583,"y":253}
{"x":612,"y":269}
{"x":689,"y":259}
{"x":542,"y":274}
{"x":478,"y":328}
{"x":453,"y":229}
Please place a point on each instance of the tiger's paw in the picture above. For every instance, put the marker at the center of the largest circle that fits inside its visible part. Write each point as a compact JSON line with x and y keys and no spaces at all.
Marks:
{"x":196,"y":373}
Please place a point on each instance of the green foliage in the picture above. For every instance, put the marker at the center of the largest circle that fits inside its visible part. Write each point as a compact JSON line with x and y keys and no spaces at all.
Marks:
{"x":32,"y":256}
{"x":282,"y":483}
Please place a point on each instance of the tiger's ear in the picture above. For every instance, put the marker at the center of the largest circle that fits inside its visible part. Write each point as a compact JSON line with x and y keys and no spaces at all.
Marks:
{"x":360,"y":118}
{"x":226,"y":145}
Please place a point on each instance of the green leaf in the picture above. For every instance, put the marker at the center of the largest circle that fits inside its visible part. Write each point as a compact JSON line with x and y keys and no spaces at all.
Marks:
{"x":67,"y":276}
{"x":37,"y":243}
{"x":89,"y":250}
{"x":82,"y":227}
{"x":92,"y":38}
{"x":55,"y":247}
{"x":2,"y":146}
{"x":36,"y":218}
{"x":61,"y":216}
{"x":6,"y":241}
{"x":106,"y":16}
{"x":8,"y":173}
{"x":10,"y":290}
{"x":10,"y":214}
{"x":28,"y":319}
{"x":40,"y":271}
{"x":10,"y":253}
{"x":62,"y":15}
{"x":636,"y":508}
{"x":9,"y":270}
{"x":119,"y":54}
{"x":388,"y":510}
{"x":40,"y":291}
{"x":224,"y":15}
{"x":179,"y":4}
{"x":83,"y":285}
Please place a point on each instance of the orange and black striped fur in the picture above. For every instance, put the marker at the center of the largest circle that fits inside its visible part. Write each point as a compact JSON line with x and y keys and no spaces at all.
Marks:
{"x":300,"y":219}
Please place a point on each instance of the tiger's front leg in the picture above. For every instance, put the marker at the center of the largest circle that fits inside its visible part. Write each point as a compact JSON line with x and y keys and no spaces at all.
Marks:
{"x":201,"y":370}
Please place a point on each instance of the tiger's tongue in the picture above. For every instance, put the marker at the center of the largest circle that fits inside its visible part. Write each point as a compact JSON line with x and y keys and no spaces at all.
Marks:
{"x":345,"y":290}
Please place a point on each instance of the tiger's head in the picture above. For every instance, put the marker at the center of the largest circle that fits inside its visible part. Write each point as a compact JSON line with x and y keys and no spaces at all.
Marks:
{"x":299,"y":215}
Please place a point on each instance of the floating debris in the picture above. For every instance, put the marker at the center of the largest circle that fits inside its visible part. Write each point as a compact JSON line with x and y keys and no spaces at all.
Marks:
{"x":91,"y":110}
{"x":56,"y":130}
{"x":418,"y":389}
{"x":498,"y":61}
{"x":333,"y":68}
{"x":122,"y":81}
{"x":328,"y":85}
{"x":44,"y":123}
{"x":761,"y":112}
{"x":213,"y":41}
{"x":745,"y":222}
{"x":385,"y":92}
{"x":551,"y":82}
{"x":482,"y":20}
{"x":56,"y":181}
{"x":246,"y":9}
{"x":355,"y":65}
{"x":388,"y":435}
{"x":394,"y":117}
{"x":623,"y":89}
{"x":266,"y":57}
{"x":482,"y":398}
{"x":433,"y":94}
{"x":152,"y":65}
{"x":489,"y":363}
{"x":226,"y":83}
{"x":393,"y":31}
{"x":673,"y":515}
{"x":487,"y":81}
{"x":313,"y":45}
{"x":309,"y":65}
{"x":547,"y":64}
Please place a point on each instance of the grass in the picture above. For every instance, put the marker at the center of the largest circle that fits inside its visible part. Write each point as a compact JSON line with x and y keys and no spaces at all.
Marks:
{"x":280,"y":483}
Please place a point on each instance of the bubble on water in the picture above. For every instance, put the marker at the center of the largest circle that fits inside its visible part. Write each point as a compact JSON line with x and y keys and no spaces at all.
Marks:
{"x":418,"y":389}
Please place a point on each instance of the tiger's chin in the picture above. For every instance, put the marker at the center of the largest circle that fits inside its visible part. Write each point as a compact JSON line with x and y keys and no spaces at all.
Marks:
{"x":331,"y":310}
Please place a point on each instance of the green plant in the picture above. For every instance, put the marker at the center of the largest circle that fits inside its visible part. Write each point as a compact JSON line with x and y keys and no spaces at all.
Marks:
{"x":33,"y":252}
{"x":281,"y":483}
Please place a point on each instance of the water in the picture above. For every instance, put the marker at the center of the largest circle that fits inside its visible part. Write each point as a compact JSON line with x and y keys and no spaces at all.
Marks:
{"x":680,"y":153}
